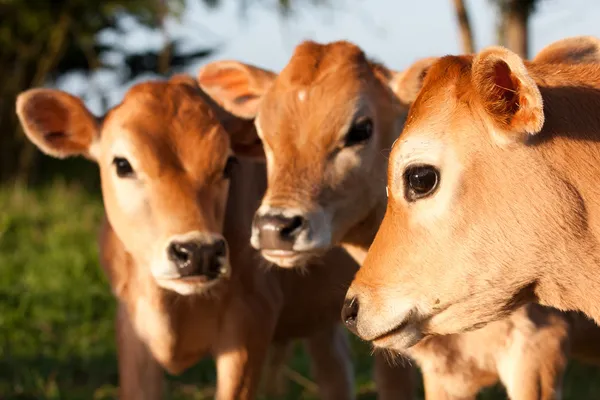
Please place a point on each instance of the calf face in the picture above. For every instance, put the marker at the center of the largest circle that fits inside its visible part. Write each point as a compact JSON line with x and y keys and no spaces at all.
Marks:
{"x":326,"y":123}
{"x":483,"y":215}
{"x":164,"y":162}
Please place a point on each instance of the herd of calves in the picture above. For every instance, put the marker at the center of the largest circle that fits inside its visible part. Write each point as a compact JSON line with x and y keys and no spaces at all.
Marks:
{"x":240,"y":204}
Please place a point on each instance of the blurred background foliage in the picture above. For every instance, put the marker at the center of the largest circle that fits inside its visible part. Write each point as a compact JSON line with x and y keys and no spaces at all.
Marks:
{"x":43,"y":40}
{"x":56,"y":309}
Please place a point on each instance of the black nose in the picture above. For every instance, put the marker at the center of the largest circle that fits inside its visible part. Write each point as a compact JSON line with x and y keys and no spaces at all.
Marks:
{"x":350,"y":313}
{"x":277,"y":232}
{"x":198,"y":259}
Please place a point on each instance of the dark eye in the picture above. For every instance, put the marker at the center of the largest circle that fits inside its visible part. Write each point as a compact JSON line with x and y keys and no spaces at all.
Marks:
{"x":122,"y":167}
{"x":360,"y":132}
{"x":231,"y":162}
{"x":420,"y":181}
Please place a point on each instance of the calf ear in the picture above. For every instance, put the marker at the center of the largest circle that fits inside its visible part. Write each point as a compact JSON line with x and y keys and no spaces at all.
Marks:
{"x":407,"y":84}
{"x":57,"y":123}
{"x":572,"y":50}
{"x":235,"y":86}
{"x":508,"y":93}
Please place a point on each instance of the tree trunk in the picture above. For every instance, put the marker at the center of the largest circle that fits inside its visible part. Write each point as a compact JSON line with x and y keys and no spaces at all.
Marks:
{"x":464,"y":25}
{"x":501,"y":29}
{"x":516,"y":24}
{"x":17,"y":155}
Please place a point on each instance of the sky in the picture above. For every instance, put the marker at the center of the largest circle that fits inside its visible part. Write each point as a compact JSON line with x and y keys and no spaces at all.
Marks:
{"x":395,"y":32}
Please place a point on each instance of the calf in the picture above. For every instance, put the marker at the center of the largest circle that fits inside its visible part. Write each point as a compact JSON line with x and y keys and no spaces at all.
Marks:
{"x":500,"y":156}
{"x":174,"y":243}
{"x":325,"y":123}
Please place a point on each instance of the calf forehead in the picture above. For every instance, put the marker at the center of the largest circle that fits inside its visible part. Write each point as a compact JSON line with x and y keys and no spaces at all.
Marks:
{"x":315,"y":95}
{"x":313,"y":62}
{"x":312,"y":116}
{"x":169,"y":122}
{"x":447,"y":86}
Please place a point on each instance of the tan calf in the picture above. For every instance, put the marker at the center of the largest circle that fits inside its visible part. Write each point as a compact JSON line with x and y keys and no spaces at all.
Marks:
{"x":175,"y":242}
{"x":326,"y":122}
{"x":239,"y":88}
{"x":493,"y":200}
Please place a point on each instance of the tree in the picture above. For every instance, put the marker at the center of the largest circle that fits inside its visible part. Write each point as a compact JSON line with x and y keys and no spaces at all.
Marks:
{"x":513,"y":28}
{"x":464,"y":24}
{"x":42,"y":40}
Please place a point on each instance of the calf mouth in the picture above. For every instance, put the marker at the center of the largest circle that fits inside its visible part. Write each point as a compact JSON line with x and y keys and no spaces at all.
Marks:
{"x":290,"y":258}
{"x":190,"y":285}
{"x":400,"y":338}
{"x":195,"y":284}
{"x":403,"y":335}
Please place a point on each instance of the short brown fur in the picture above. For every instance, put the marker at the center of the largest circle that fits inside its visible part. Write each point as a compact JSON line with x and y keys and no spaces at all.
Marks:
{"x":178,"y":149}
{"x":517,"y":191}
{"x":301,"y":135}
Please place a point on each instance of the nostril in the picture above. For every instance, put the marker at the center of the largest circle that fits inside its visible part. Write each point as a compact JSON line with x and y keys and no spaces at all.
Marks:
{"x":292,"y":227}
{"x":350,"y":312}
{"x":214,"y":268}
{"x":220,"y":248}
{"x":278,"y":232}
{"x":180,"y":253}
{"x":214,"y":256}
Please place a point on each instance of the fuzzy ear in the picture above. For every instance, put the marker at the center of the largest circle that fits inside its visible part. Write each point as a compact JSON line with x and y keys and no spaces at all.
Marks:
{"x":508,"y":93}
{"x":57,"y":123}
{"x":236,"y":86}
{"x":407,"y":84}
{"x":573,"y":50}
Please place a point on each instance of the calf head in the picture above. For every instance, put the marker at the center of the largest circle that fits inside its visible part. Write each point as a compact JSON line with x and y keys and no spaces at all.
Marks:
{"x":164,"y":161}
{"x":571,"y":50}
{"x":326,"y":122}
{"x":477,"y":217}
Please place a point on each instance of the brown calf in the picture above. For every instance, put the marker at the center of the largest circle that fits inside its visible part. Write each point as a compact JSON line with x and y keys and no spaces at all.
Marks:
{"x":175,"y":242}
{"x":326,"y":122}
{"x":493,"y":200}
{"x":239,"y":88}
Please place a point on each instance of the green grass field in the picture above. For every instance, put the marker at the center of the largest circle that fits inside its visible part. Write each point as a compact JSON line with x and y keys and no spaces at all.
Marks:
{"x":56,"y":310}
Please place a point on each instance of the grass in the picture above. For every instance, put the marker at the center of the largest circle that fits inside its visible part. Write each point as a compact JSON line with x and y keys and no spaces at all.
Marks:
{"x":56,"y":310}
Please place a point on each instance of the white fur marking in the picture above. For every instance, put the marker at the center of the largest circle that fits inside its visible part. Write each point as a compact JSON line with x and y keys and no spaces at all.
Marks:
{"x":302,"y":95}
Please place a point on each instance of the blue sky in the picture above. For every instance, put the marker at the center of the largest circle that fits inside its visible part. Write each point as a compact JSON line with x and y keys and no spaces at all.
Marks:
{"x":396,"y":32}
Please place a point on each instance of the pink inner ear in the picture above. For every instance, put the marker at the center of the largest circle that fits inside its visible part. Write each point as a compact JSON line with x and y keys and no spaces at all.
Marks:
{"x":423,"y":74}
{"x":240,"y":100}
{"x":48,"y":116}
{"x":54,"y":136}
{"x":507,"y":86}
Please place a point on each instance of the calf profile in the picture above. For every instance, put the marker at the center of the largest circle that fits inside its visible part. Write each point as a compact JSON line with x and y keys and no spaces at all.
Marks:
{"x":326,"y":122}
{"x":493,"y":200}
{"x":174,"y":243}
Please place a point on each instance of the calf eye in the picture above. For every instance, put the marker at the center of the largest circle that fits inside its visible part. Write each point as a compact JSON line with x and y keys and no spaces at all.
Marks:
{"x":360,"y":131}
{"x":231,"y":161}
{"x":420,"y":181}
{"x":123,"y":168}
